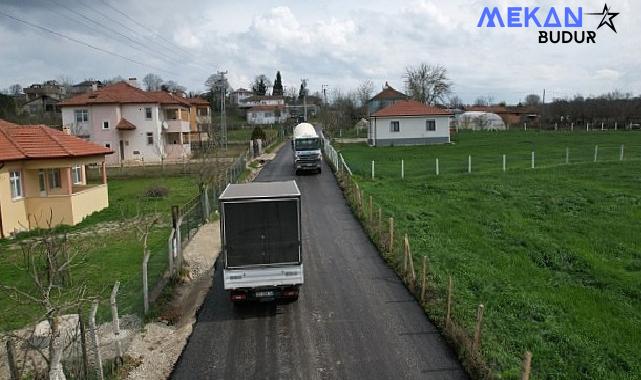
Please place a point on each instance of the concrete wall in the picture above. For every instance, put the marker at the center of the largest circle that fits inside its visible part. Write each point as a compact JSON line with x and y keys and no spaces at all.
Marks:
{"x":412,"y":131}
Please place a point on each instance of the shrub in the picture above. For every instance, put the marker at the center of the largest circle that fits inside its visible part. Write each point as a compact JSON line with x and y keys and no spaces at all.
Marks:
{"x":156,"y":191}
{"x":258,"y":133}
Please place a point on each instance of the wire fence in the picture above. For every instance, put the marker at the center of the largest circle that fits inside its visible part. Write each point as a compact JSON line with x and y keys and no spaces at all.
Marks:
{"x":433,"y":164}
{"x":394,"y":245}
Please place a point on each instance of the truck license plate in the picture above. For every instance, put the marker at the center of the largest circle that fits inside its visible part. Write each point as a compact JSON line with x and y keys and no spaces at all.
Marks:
{"x":264,"y":294}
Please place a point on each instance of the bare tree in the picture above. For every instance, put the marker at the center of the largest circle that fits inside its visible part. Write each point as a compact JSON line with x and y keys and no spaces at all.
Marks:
{"x":484,"y":101}
{"x":532,"y":100}
{"x":364,"y":92}
{"x":456,"y":102}
{"x":427,"y":84}
{"x":15,"y":89}
{"x":49,"y":260}
{"x":152,"y":82}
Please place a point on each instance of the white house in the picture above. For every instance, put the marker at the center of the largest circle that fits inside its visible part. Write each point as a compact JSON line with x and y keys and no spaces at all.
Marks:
{"x":137,"y":125}
{"x":409,"y":122}
{"x":262,"y":100}
{"x":267,"y":114}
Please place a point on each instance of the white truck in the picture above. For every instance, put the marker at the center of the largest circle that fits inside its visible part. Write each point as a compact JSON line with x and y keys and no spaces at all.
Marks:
{"x":306,"y":145}
{"x":260,"y":226}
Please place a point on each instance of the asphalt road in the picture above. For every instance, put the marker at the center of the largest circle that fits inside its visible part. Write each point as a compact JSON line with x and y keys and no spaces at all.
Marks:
{"x":354,"y":318}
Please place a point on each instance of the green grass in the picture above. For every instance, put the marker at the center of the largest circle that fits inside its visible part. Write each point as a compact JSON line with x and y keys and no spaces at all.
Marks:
{"x":108,"y":256}
{"x":553,"y":253}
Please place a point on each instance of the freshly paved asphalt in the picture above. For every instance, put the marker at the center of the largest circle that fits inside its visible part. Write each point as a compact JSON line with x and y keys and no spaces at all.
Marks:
{"x":354,"y":318}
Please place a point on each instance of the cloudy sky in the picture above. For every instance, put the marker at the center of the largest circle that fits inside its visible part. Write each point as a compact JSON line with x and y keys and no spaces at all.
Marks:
{"x":333,"y":43}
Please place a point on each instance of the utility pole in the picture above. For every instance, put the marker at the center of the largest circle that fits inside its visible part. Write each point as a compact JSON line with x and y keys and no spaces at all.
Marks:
{"x":324,"y":87}
{"x":223,"y":116}
{"x":304,"y":99}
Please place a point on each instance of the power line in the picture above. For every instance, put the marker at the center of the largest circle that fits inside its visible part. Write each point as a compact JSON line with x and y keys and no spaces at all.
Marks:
{"x":145,"y":27}
{"x":158,"y":54}
{"x":66,"y":37}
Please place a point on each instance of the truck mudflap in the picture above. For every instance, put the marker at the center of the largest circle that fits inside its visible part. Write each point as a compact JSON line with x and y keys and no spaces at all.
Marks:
{"x":263,"y":277}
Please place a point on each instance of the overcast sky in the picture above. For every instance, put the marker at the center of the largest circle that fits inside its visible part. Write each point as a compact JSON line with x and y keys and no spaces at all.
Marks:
{"x":334,"y":43}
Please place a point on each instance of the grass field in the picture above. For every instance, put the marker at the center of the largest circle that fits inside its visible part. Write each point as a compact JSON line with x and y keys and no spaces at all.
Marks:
{"x":244,"y":134}
{"x":109,"y":255}
{"x":553,"y":253}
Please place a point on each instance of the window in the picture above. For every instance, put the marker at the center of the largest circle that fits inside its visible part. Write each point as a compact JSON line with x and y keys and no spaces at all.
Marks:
{"x":430,"y":125}
{"x":76,"y":175}
{"x":54,"y":179}
{"x":105,"y":125}
{"x":395,"y":126}
{"x":42,"y":181}
{"x":203,"y":111}
{"x":148,"y":115}
{"x":150,"y":138}
{"x":268,"y":114}
{"x":81,"y":115}
{"x":107,"y":145}
{"x":15,"y":180}
{"x":172,"y":114}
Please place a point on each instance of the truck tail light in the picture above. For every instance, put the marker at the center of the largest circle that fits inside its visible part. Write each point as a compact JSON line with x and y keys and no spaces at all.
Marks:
{"x":238,"y":296}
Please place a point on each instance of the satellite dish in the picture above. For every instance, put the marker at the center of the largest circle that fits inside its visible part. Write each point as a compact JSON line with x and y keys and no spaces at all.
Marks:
{"x":165,"y":126}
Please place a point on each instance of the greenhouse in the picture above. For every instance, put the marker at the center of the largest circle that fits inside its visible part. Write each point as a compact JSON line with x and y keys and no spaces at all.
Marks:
{"x":479,"y":121}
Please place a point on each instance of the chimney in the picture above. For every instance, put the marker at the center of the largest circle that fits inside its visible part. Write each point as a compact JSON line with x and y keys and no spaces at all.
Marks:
{"x":132,"y":82}
{"x":66,"y":130}
{"x":94,"y":87}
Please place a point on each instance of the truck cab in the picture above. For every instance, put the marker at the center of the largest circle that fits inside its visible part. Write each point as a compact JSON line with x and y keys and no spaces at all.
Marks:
{"x":261,"y":240}
{"x":306,"y":145}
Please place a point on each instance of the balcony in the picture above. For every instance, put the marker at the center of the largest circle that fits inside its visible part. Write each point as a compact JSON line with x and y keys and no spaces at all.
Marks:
{"x":176,"y":126}
{"x":64,"y":208}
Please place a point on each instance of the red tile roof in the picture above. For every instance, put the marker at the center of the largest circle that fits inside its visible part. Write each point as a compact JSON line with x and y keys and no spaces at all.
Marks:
{"x":197,"y":101}
{"x":125,"y":125}
{"x":410,"y":108}
{"x":124,"y":93}
{"x":389,"y":93}
{"x":24,"y":142}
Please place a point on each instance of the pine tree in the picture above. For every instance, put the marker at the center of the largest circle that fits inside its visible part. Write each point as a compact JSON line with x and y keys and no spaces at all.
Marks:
{"x":278,"y":85}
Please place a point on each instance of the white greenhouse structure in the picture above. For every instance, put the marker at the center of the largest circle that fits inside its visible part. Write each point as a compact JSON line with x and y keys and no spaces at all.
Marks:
{"x":479,"y":121}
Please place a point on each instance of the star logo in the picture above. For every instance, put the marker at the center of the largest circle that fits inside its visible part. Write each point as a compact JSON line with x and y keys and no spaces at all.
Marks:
{"x":607,"y":17}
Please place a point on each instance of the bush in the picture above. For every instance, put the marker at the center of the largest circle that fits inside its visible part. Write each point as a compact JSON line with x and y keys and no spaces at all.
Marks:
{"x":258,"y":133}
{"x":156,"y":192}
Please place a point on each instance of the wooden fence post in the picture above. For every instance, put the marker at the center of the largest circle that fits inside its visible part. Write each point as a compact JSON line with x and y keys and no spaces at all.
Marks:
{"x":437,"y":167}
{"x":391,"y":235}
{"x":405,"y":254}
{"x":423,"y":279}
{"x":596,"y":152}
{"x":402,"y":169}
{"x":14,"y":374}
{"x":526,"y":366}
{"x":477,"y":330}
{"x":567,"y":155}
{"x":469,"y":163}
{"x":449,"y":302}
{"x":504,"y":162}
{"x":410,"y":258}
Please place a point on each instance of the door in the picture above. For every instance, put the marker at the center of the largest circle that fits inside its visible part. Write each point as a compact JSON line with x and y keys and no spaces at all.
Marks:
{"x":122,"y":150}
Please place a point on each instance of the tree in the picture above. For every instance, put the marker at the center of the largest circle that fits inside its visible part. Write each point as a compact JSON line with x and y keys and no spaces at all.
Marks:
{"x":364,"y":92}
{"x":113,"y":80}
{"x":302,"y":91}
{"x":152,"y":82}
{"x":15,"y":89}
{"x":172,"y":86}
{"x":532,"y":100}
{"x":484,"y":101}
{"x":456,"y":102}
{"x":427,"y":84}
{"x":260,"y":85}
{"x":278,"y":85}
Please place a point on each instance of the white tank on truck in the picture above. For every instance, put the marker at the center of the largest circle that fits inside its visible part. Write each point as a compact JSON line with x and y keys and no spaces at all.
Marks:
{"x":306,"y":145}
